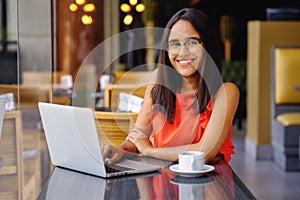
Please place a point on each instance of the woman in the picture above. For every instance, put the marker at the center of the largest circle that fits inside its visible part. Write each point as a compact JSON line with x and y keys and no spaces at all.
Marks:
{"x":188,"y":107}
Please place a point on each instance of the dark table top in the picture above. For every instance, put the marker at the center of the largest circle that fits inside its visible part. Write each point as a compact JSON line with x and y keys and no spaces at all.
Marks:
{"x":222,"y":183}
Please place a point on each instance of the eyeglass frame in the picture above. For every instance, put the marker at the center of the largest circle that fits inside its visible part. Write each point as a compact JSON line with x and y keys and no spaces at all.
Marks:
{"x":199,"y":40}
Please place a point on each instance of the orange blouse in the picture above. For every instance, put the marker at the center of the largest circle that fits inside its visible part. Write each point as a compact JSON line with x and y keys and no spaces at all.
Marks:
{"x":187,"y":128}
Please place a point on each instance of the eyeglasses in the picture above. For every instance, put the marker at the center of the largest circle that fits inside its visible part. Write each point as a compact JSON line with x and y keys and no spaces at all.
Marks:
{"x":174,"y":46}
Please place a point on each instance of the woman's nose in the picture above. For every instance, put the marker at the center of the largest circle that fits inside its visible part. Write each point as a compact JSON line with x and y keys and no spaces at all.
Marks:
{"x":183,"y":50}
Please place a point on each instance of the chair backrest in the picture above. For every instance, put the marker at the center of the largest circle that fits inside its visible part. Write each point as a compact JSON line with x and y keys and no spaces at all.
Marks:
{"x":285,"y":77}
{"x":113,"y":127}
{"x":112,"y":91}
{"x":132,"y":82}
{"x":26,"y":94}
{"x":132,"y":77}
{"x":11,"y":173}
{"x":33,"y":78}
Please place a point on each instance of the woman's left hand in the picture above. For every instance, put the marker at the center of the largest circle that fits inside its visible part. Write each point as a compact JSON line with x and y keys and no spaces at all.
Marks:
{"x":142,"y":142}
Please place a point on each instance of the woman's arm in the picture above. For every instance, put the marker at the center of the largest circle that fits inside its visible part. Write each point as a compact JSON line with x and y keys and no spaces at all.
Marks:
{"x":142,"y":125}
{"x":223,"y":111}
{"x":224,"y":108}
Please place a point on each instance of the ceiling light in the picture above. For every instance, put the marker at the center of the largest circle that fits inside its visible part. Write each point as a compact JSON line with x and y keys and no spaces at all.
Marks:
{"x":128,"y":19}
{"x":133,"y":2}
{"x":80,"y":2}
{"x":86,"y":19}
{"x":125,"y":7}
{"x":73,"y":7}
{"x":140,"y":7}
{"x":89,"y":7}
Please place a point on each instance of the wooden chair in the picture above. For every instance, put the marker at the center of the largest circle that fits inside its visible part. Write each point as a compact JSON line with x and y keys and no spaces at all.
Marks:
{"x":133,"y":82}
{"x":112,"y":91}
{"x":11,"y":174}
{"x":44,"y":81}
{"x":34,"y":78}
{"x":26,"y":99}
{"x":132,"y":77}
{"x":285,"y":106}
{"x":113,"y":127}
{"x":26,"y":95}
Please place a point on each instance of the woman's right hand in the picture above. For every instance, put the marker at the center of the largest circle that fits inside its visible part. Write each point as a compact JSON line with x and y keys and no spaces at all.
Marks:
{"x":111,"y":153}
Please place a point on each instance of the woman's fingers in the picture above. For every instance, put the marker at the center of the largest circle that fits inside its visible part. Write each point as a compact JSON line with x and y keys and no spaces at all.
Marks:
{"x":111,"y":154}
{"x":106,"y":150}
{"x":116,"y":156}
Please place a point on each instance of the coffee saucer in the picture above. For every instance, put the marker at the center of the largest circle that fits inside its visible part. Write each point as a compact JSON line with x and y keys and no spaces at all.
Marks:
{"x":207,"y":168}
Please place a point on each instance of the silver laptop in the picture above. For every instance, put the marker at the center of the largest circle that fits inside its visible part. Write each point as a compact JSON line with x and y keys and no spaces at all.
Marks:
{"x":73,"y":142}
{"x":2,"y":111}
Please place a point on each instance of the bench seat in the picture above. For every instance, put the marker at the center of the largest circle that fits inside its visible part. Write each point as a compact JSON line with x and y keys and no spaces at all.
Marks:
{"x":285,"y":107}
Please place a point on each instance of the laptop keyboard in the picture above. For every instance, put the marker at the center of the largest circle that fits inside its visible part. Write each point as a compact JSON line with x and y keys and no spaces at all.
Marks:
{"x":115,"y":168}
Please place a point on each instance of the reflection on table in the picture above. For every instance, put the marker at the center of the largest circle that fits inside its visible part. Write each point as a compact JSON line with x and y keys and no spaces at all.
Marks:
{"x":222,"y":183}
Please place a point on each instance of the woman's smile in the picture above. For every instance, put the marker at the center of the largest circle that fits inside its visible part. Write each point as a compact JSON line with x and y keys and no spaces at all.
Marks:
{"x":185,"y":62}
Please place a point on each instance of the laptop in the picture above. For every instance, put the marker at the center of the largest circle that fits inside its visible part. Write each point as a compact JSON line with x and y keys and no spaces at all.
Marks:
{"x":2,"y":111}
{"x":73,"y":143}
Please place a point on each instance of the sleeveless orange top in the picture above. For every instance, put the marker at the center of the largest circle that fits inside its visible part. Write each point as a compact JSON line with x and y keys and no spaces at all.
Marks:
{"x":187,"y":128}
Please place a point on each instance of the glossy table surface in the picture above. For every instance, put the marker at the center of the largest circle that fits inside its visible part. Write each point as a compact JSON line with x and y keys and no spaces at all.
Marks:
{"x":222,"y":183}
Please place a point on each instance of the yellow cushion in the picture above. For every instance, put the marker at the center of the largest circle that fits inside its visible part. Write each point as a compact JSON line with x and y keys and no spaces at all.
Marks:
{"x":289,"y":119}
{"x":287,"y":75}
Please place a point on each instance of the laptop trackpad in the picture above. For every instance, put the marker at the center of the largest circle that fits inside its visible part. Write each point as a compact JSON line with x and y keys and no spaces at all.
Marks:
{"x":137,"y":165}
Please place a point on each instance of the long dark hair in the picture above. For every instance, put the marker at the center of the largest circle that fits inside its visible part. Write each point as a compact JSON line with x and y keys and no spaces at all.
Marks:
{"x":169,"y":81}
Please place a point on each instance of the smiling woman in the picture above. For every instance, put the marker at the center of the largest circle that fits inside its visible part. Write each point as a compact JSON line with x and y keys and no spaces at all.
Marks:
{"x":187,"y":107}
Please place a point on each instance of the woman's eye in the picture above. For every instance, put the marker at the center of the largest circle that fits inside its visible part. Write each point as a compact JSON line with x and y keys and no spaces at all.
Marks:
{"x":175,"y":44}
{"x":191,"y":42}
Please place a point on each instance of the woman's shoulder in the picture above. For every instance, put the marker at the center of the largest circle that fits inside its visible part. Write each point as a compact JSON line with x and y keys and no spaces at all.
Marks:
{"x":229,"y":89}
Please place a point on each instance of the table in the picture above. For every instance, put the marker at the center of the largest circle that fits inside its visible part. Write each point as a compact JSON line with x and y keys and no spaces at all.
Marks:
{"x":62,"y":96}
{"x":223,"y":183}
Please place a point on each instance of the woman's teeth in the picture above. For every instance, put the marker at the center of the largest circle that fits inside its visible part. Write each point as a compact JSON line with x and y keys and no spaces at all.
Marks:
{"x":185,"y":61}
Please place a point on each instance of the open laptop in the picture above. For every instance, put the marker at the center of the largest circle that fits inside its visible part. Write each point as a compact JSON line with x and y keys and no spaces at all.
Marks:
{"x":2,"y":111}
{"x":73,"y":142}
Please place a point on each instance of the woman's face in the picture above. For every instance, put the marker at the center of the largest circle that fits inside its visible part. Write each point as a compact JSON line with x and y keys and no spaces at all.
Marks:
{"x":185,"y":51}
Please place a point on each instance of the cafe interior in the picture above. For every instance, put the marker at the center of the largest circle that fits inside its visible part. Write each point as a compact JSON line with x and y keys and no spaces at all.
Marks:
{"x":98,"y":54}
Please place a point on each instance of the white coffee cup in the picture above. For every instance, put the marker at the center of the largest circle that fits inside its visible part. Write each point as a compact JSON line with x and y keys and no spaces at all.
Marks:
{"x":191,"y":161}
{"x":66,"y":81}
{"x":105,"y":79}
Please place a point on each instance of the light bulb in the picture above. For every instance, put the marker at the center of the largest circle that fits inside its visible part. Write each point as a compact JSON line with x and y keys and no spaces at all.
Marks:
{"x":89,"y":7}
{"x":80,"y":2}
{"x":133,"y":2}
{"x":73,"y":7}
{"x":86,"y":19}
{"x":125,"y":7}
{"x":140,"y":7}
{"x":128,"y":19}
